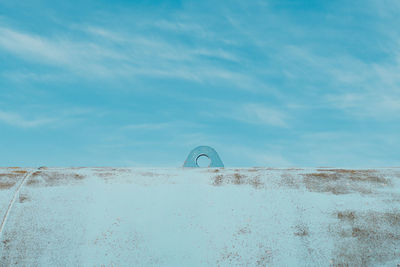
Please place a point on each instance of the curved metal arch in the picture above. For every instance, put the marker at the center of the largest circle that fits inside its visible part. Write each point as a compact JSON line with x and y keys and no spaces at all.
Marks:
{"x":191,"y":160}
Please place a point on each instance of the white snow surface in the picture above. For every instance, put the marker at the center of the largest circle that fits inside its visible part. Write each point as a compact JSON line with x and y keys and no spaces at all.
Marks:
{"x":200,"y":217}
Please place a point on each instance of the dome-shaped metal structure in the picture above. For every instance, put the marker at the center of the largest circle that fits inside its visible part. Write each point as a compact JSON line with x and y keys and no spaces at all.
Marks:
{"x":195,"y":154}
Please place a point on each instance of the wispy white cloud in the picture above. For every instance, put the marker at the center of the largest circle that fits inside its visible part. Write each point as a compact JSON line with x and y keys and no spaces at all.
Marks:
{"x":16,"y":119}
{"x":262,"y":114}
{"x":147,"y":126}
{"x":372,"y":93}
{"x":61,"y":117}
{"x":127,"y":55}
{"x":255,"y":113}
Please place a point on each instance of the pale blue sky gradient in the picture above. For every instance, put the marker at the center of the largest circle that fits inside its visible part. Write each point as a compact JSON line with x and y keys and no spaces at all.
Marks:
{"x":141,"y":83}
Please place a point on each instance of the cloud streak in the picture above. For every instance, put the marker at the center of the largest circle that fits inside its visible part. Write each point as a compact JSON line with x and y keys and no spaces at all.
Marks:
{"x":104,"y":54}
{"x":261,"y":114}
{"x":15,"y":119}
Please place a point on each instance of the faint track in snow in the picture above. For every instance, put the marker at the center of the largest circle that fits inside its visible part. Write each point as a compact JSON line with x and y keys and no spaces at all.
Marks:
{"x":16,"y":193}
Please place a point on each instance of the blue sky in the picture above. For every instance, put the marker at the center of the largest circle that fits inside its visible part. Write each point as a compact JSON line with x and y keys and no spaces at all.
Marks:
{"x":141,"y":83}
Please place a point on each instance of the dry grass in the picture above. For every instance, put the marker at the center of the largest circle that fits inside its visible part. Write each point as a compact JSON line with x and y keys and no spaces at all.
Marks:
{"x":20,"y":172}
{"x":6,"y":185}
{"x":78,"y":176}
{"x":237,"y":179}
{"x":36,"y":173}
{"x":8,"y":180}
{"x":301,"y":230}
{"x":8,"y":175}
{"x":343,"y":181}
{"x":289,"y":180}
{"x":366,"y":238}
{"x":217,"y":180}
{"x":53,"y":178}
{"x":346,"y":215}
{"x":23,"y":198}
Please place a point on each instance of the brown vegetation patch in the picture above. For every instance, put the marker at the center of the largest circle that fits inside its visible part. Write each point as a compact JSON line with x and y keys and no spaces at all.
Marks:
{"x":9,"y":175}
{"x":23,"y":198}
{"x":78,"y":176}
{"x":301,"y":230}
{"x":255,"y":182}
{"x":32,"y":181}
{"x":229,"y":257}
{"x":265,"y":258}
{"x":358,"y":175}
{"x":218,"y":179}
{"x":344,"y":181}
{"x":106,"y":174}
{"x":36,"y":173}
{"x":322,"y":175}
{"x":244,"y":231}
{"x":109,"y":169}
{"x":289,"y":180}
{"x":346,"y":215}
{"x":366,"y":238}
{"x":53,"y":178}
{"x":6,"y":185}
{"x":6,"y":243}
{"x":149,"y":174}
{"x":20,"y":172}
{"x":237,"y":179}
{"x":8,"y":180}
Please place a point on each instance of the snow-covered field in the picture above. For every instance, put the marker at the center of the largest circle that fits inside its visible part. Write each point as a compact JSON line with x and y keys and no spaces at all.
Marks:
{"x":199,"y":217}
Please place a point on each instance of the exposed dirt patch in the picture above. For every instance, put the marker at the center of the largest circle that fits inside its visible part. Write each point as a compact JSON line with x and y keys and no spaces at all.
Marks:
{"x":346,"y":215}
{"x":149,"y":174}
{"x":237,"y":179}
{"x":264,"y":258}
{"x":23,"y":198}
{"x":78,"y":176}
{"x":323,"y":175}
{"x":290,"y":180}
{"x":32,"y":181}
{"x":366,"y":238}
{"x":301,"y":230}
{"x":20,"y":172}
{"x":110,"y":174}
{"x":256,"y":182}
{"x":9,"y":175}
{"x":53,"y":178}
{"x":6,"y":185}
{"x":244,"y":231}
{"x":106,"y":174}
{"x":36,"y":173}
{"x":116,"y":170}
{"x":358,"y":175}
{"x":343,"y":181}
{"x":218,"y":180}
{"x":229,"y":257}
{"x":8,"y":180}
